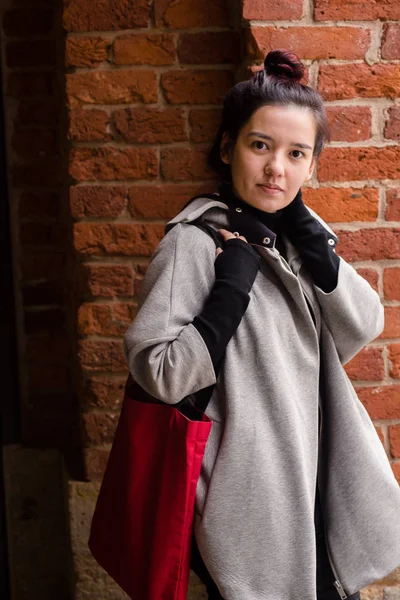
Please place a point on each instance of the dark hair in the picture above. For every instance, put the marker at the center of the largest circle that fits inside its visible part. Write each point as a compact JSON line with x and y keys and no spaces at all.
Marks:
{"x":278,"y":83}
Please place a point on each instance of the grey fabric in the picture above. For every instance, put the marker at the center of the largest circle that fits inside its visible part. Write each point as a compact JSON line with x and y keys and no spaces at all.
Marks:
{"x":255,"y":498}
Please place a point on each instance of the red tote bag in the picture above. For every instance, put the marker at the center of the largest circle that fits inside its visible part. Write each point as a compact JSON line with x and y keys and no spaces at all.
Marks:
{"x":142,"y":525}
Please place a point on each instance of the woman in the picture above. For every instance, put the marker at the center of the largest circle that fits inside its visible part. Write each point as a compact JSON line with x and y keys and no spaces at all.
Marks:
{"x":296,"y":498}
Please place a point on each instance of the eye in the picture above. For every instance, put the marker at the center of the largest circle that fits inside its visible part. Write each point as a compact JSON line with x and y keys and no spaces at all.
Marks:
{"x":301,"y":153}
{"x":259,"y":145}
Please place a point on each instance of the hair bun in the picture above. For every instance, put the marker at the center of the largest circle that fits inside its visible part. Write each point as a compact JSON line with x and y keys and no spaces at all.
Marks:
{"x":285,"y":64}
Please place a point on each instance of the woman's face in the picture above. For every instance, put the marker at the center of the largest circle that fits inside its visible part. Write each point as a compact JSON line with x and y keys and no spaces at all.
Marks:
{"x":274,"y":148}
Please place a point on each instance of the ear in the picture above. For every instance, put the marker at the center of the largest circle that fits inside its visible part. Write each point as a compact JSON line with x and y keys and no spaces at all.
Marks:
{"x":223,"y":149}
{"x":311,"y":168}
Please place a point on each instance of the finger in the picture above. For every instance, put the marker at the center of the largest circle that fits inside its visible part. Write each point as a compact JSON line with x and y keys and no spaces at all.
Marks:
{"x":228,"y":235}
{"x":218,"y":251}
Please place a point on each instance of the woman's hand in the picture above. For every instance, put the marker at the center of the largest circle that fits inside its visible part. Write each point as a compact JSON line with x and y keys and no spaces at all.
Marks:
{"x":227,"y":235}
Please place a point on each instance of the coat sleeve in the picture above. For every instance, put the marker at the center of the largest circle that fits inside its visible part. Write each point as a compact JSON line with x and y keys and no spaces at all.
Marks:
{"x":352,"y":311}
{"x":166,"y":354}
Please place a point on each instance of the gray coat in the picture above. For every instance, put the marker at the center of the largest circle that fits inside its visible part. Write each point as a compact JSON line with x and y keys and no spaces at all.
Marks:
{"x":255,"y":498}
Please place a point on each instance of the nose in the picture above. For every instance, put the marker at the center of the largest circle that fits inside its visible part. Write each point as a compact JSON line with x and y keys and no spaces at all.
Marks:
{"x":274,"y":166}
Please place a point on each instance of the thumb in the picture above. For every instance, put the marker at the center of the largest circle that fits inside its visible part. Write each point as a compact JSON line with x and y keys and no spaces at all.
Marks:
{"x":218,"y":251}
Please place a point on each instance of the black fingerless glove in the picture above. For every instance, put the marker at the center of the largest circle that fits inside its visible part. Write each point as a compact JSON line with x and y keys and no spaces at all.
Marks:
{"x":312,"y":241}
{"x":235,"y":271}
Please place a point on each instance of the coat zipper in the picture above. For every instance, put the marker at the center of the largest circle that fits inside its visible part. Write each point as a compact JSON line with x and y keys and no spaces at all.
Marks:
{"x":336,"y":583}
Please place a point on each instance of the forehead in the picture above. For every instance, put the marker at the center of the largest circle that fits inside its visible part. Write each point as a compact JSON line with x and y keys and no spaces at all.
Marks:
{"x":283,"y":123}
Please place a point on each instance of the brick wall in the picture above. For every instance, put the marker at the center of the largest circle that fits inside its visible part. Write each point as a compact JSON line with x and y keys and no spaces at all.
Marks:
{"x":143,"y":82}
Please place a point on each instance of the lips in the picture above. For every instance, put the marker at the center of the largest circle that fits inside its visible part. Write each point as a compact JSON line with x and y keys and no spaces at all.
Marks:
{"x":270,"y":187}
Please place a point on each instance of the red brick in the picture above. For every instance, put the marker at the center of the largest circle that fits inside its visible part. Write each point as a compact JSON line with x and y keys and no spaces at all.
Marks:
{"x":96,"y":356}
{"x":89,"y":125}
{"x":185,"y":164}
{"x":343,"y":10}
{"x":196,"y":87}
{"x":102,"y":392}
{"x":275,"y":9}
{"x":343,"y":205}
{"x":46,"y":350}
{"x":43,"y":234}
{"x":394,"y":358}
{"x":381,"y":402}
{"x":379,"y":431}
{"x":44,"y":293}
{"x":394,"y":440}
{"x":204,"y":124}
{"x":41,"y":321}
{"x":104,"y":164}
{"x":25,"y":22}
{"x":111,"y":87}
{"x":351,"y":164}
{"x":392,"y":323}
{"x":28,"y":84}
{"x":369,"y":244}
{"x":161,"y":202}
{"x":391,"y":283}
{"x":144,"y":49}
{"x":349,"y":123}
{"x":393,"y":204}
{"x":44,"y":112}
{"x":209,"y":48}
{"x":309,"y":42}
{"x":108,"y":15}
{"x":97,"y":201}
{"x":367,"y":365}
{"x":86,"y":51}
{"x":391,"y":41}
{"x":392,"y":125}
{"x":185,"y":14}
{"x":27,"y":144}
{"x":106,"y":280}
{"x":99,"y":428}
{"x":39,"y":265}
{"x":115,"y":239}
{"x":42,"y":204}
{"x":95,"y":463}
{"x":151,"y":125}
{"x":396,"y":470}
{"x":105,"y":319}
{"x":38,"y":53}
{"x":369,"y":275}
{"x":338,"y":82}
{"x":43,"y":173}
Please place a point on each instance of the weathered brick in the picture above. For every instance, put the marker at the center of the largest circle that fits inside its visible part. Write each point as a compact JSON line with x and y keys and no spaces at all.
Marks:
{"x":56,"y":379}
{"x":367,"y":365}
{"x":38,"y":53}
{"x":95,"y":463}
{"x":99,"y":428}
{"x":89,"y":125}
{"x":40,"y":144}
{"x":273,"y":10}
{"x":45,"y":172}
{"x":46,"y":350}
{"x":392,"y":323}
{"x":343,"y":205}
{"x":43,"y":234}
{"x":111,"y":87}
{"x":86,"y":51}
{"x":91,"y":164}
{"x":97,"y":201}
{"x":369,"y":244}
{"x":392,"y":125}
{"x":44,"y":112}
{"x":393,"y":204}
{"x":185,"y":164}
{"x":106,"y":280}
{"x":349,"y":123}
{"x":196,"y":87}
{"x":151,"y":125}
{"x":343,"y":10}
{"x":43,"y":204}
{"x":39,"y":265}
{"x":396,"y":470}
{"x":144,"y":49}
{"x":40,"y":321}
{"x":44,"y":293}
{"x":338,"y":82}
{"x":381,"y":402}
{"x":391,"y":283}
{"x":102,"y":392}
{"x":96,"y":356}
{"x":105,"y":319}
{"x":394,"y":358}
{"x":161,"y":202}
{"x":31,"y":83}
{"x":351,"y":164}
{"x":209,"y":48}
{"x":370,"y":275}
{"x":391,"y":41}
{"x":109,"y":15}
{"x":117,"y":239}
{"x":379,"y":431}
{"x":24,"y":22}
{"x":394,"y":440}
{"x":185,"y":14}
{"x":309,"y":42}
{"x":204,"y":124}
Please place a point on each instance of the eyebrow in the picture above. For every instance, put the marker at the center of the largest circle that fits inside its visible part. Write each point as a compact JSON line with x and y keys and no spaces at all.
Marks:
{"x":267,"y":137}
